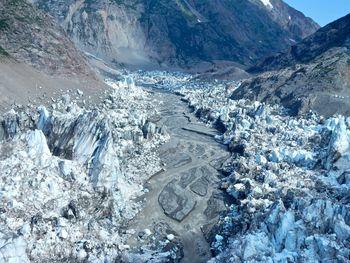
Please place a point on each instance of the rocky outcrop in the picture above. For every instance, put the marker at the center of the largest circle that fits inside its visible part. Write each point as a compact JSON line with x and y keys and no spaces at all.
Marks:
{"x":31,"y":36}
{"x":179,"y":32}
{"x":313,"y":74}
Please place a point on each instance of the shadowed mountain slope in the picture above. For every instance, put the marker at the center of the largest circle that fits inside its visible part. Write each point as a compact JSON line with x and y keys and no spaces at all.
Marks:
{"x":314,"y":74}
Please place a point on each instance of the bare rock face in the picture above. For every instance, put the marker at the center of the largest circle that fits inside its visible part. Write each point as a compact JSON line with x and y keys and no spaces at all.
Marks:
{"x":313,"y":74}
{"x":179,"y":33}
{"x":29,"y":35}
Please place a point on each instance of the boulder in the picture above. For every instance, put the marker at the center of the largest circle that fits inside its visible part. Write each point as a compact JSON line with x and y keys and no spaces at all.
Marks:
{"x":149,"y":130}
{"x":10,"y":124}
{"x":341,"y":229}
{"x":215,"y":206}
{"x":2,"y":131}
{"x":176,"y":202}
{"x":187,"y":177}
{"x":200,"y":187}
{"x":13,"y":250}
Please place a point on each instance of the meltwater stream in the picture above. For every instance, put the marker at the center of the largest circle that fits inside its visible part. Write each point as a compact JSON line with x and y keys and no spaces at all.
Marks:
{"x":183,"y":200}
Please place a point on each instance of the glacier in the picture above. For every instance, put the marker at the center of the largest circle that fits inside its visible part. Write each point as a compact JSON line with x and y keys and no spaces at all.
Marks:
{"x":68,"y":176}
{"x":72,"y":176}
{"x":288,"y":177}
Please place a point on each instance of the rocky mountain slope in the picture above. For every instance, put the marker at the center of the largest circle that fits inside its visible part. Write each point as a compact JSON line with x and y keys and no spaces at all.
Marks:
{"x":38,"y":62}
{"x":29,"y":35}
{"x":180,"y":32}
{"x":314,"y":74}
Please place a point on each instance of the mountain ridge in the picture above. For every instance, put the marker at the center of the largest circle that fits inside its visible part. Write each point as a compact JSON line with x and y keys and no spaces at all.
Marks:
{"x":180,"y":32}
{"x":38,"y":62}
{"x":335,"y":34}
{"x":312,"y":75}
{"x":29,"y":35}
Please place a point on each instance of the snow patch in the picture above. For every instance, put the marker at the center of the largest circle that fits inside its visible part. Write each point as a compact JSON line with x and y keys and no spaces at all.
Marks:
{"x":267,"y":3}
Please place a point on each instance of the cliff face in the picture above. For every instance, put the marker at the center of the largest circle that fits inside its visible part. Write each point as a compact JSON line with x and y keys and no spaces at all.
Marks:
{"x":179,"y":32}
{"x":31,"y":36}
{"x":314,"y":74}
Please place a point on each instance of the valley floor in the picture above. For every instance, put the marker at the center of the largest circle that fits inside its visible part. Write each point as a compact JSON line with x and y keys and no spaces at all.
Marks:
{"x":144,"y":176}
{"x":184,"y":199}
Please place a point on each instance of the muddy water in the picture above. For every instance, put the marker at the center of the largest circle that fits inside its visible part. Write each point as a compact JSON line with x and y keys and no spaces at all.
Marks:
{"x":184,"y":198}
